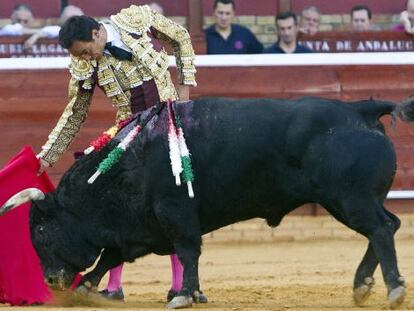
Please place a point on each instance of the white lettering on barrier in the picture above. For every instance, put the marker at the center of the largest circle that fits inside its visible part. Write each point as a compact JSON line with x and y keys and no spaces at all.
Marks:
{"x":384,"y":46}
{"x":38,"y":50}
{"x":359,"y":46}
{"x":344,"y":46}
{"x":316,"y":46}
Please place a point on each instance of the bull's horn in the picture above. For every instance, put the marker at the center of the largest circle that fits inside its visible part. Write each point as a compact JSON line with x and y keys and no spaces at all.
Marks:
{"x":20,"y":198}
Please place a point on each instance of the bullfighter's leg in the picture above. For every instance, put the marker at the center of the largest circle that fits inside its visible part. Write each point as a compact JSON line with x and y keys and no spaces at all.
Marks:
{"x":110,"y":258}
{"x":113,"y":290}
{"x":176,"y":277}
{"x":115,"y":277}
{"x":364,"y":280}
{"x":370,"y":219}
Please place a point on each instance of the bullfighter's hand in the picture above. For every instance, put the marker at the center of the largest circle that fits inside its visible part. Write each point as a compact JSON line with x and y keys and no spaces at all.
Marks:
{"x":43,"y":166}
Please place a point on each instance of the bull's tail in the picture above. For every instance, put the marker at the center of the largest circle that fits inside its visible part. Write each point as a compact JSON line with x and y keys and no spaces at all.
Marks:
{"x":373,"y":110}
{"x":405,"y":111}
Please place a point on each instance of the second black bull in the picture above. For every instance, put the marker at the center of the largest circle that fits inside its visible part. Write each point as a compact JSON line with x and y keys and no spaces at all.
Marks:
{"x":252,"y":158}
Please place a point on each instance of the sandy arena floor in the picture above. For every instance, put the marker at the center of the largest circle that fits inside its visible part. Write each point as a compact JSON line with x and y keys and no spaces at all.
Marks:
{"x":300,"y":275}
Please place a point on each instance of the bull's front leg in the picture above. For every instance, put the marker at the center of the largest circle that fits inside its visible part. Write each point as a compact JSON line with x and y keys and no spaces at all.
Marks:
{"x":179,"y":222}
{"x":188,"y":253}
{"x":110,"y":258}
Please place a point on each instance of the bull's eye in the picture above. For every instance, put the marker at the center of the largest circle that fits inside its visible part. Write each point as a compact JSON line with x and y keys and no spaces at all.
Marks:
{"x":40,"y":229}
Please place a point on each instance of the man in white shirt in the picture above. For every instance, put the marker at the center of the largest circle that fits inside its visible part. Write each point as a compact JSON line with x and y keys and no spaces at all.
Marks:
{"x":21,"y":22}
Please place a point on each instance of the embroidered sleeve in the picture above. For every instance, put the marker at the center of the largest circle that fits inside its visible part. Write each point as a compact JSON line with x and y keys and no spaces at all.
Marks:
{"x":69,"y":124}
{"x":178,"y":37}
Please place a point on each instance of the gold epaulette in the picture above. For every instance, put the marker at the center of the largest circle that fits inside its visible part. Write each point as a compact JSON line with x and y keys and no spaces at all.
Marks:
{"x":81,"y":69}
{"x":135,"y":19}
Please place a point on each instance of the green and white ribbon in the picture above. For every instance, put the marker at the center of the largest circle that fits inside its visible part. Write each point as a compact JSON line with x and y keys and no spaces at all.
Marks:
{"x":173,"y":144}
{"x":187,"y":173}
{"x":114,"y":156}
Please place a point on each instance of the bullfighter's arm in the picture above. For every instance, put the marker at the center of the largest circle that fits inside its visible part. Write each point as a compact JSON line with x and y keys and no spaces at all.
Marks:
{"x":69,"y":123}
{"x":176,"y":35}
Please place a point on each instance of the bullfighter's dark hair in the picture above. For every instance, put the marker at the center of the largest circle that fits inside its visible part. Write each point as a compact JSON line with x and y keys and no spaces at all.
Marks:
{"x":286,"y":15}
{"x":361,"y":7}
{"x":224,"y":2}
{"x":77,"y":28}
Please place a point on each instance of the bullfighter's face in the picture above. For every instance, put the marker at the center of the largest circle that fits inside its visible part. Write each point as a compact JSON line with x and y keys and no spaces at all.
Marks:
{"x":55,"y":244}
{"x":90,"y":50}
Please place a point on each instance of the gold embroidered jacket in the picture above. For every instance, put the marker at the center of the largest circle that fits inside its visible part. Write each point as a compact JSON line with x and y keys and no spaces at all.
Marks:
{"x":137,"y":26}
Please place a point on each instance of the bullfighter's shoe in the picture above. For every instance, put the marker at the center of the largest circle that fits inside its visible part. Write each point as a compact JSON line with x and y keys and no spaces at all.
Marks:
{"x":113,"y":295}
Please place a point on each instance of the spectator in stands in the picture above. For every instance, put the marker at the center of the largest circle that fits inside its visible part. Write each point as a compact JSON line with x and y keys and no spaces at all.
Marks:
{"x":407,"y":19}
{"x":361,"y":16}
{"x":22,"y":14}
{"x":224,"y":37}
{"x":156,"y":7}
{"x":287,"y":31}
{"x":310,"y":20}
{"x":21,"y":22}
{"x":53,"y":31}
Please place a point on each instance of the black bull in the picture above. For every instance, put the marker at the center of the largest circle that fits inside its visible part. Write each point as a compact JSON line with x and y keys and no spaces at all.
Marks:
{"x":252,"y":158}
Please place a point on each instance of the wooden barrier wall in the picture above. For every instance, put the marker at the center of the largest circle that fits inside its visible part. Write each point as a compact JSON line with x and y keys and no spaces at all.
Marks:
{"x":31,"y":102}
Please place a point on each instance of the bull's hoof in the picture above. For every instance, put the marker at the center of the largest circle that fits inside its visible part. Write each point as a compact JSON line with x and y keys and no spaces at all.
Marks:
{"x":199,"y":297}
{"x":396,"y":297}
{"x":171,"y":294}
{"x":179,"y":302}
{"x":362,"y":292}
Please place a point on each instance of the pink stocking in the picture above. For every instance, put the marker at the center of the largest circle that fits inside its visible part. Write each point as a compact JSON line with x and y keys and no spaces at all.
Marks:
{"x":177,"y":273}
{"x":115,"y":275}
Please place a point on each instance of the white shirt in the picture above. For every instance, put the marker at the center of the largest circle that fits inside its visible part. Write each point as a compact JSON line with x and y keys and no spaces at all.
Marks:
{"x":12,"y":30}
{"x":114,"y":37}
{"x":51,"y":31}
{"x":17,"y":30}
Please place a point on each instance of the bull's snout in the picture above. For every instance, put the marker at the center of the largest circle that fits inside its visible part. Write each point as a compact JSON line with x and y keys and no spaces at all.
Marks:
{"x":58,"y":281}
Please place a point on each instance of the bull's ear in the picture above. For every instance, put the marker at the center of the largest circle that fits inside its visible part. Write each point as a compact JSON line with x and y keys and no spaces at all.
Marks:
{"x":20,"y":198}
